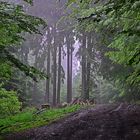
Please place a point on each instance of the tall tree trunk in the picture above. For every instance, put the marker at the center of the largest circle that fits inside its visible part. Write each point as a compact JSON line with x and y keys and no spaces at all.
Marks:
{"x":88,"y":80}
{"x":47,"y":94}
{"x":70,"y":75}
{"x":69,"y":70}
{"x":34,"y":98}
{"x":84,"y":66}
{"x":59,"y":75}
{"x":35,"y":89}
{"x":89,"y":51}
{"x":54,"y":67}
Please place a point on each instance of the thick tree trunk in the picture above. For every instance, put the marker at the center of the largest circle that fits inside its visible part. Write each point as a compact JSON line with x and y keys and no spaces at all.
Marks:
{"x":89,"y":51}
{"x":59,"y":75}
{"x":84,"y":66}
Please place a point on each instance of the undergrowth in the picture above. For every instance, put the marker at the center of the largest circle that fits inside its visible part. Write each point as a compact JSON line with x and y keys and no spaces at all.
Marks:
{"x":29,"y":119}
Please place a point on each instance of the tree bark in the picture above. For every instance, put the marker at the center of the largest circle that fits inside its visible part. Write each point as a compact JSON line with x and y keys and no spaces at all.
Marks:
{"x":70,"y":75}
{"x":54,"y":67}
{"x":47,"y":94}
{"x":89,"y":51}
{"x":84,"y":65}
{"x":69,"y":70}
{"x":59,"y":75}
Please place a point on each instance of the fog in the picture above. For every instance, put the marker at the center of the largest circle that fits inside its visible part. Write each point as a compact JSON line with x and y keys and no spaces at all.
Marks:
{"x":75,"y":62}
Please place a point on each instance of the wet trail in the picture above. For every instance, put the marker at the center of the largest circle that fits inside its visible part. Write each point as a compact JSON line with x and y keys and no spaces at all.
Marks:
{"x":104,"y":122}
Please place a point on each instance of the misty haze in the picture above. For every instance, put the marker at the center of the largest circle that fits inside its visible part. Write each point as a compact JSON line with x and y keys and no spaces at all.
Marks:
{"x":69,"y":70}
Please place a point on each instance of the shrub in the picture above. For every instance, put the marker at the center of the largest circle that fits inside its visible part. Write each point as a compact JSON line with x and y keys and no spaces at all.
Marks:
{"x":9,"y":103}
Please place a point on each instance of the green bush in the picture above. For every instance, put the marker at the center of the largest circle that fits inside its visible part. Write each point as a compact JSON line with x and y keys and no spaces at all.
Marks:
{"x":9,"y":103}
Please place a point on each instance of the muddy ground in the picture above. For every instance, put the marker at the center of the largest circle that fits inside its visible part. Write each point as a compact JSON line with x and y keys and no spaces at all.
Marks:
{"x":104,"y":122}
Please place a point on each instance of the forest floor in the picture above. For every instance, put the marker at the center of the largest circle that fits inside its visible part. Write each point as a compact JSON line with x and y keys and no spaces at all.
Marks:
{"x":103,"y":122}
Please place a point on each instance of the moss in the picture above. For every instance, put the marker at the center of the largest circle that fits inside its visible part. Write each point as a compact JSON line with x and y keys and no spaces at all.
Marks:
{"x":28,"y":119}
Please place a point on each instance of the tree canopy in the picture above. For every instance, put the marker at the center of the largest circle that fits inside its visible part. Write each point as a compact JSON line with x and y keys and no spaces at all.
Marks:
{"x":120,"y":19}
{"x":14,"y":23}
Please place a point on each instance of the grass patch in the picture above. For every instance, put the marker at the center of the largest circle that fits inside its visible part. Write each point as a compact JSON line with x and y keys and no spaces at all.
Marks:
{"x":26,"y":120}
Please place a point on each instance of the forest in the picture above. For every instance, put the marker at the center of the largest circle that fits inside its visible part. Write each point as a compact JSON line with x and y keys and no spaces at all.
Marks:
{"x":70,"y":69}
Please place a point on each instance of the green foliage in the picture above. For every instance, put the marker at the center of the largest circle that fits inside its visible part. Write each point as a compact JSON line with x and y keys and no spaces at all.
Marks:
{"x":28,"y":70}
{"x":5,"y":70}
{"x":9,"y":103}
{"x":29,"y":1}
{"x":14,"y":22}
{"x":108,"y":93}
{"x":121,"y":19}
{"x":28,"y":119}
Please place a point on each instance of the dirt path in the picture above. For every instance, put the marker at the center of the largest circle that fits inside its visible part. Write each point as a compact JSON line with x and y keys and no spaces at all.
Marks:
{"x":104,"y":122}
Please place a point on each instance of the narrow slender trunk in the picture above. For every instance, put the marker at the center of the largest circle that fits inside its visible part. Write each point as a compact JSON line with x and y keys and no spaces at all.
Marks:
{"x":47,"y":94}
{"x":54,"y":67}
{"x":70,"y":74}
{"x":25,"y":90}
{"x":59,"y":75}
{"x":88,"y":80}
{"x":35,"y":90}
{"x":69,"y":71}
{"x":34,"y":93}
